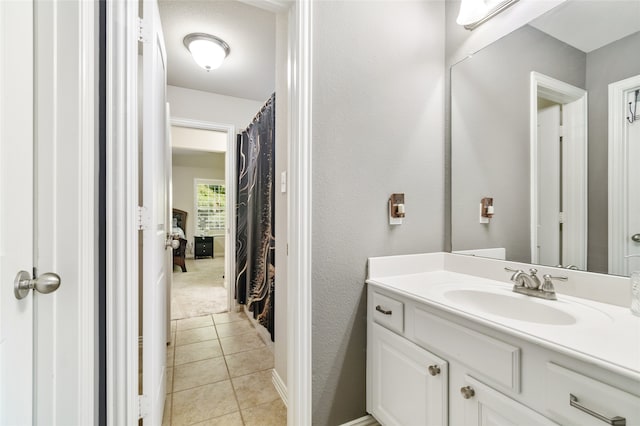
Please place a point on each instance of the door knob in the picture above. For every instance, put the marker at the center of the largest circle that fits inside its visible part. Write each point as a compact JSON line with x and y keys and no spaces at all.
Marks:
{"x":467,"y":392}
{"x":635,"y":238}
{"x":45,"y":283}
{"x":434,"y":370}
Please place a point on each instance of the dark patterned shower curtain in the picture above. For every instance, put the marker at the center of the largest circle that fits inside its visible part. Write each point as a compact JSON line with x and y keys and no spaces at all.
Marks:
{"x":255,"y":243}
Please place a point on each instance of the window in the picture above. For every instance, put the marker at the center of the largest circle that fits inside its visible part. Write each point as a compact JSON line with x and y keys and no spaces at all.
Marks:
{"x":210,"y":206}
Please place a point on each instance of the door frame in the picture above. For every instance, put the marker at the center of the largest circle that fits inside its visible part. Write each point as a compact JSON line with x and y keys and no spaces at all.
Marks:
{"x":574,"y":165}
{"x":618,"y":171}
{"x":230,"y":188}
{"x":122,"y":201}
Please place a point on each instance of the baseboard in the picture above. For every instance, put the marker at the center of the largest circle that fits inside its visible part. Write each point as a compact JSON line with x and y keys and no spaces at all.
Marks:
{"x":280,"y":386}
{"x":367,"y":420}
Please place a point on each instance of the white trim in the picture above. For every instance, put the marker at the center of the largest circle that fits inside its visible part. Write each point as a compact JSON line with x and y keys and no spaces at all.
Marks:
{"x":121,"y":208}
{"x":574,"y":165}
{"x":299,"y":317}
{"x":231,"y":189}
{"x":87,"y":248}
{"x":367,"y":420}
{"x":618,"y":172}
{"x":280,"y":386}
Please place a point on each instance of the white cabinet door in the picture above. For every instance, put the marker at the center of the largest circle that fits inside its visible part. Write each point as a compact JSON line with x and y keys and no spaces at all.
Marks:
{"x":488,"y":407}
{"x":403,"y":390}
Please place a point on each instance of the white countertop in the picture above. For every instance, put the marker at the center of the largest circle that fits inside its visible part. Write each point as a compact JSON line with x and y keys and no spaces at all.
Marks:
{"x":603,"y":334}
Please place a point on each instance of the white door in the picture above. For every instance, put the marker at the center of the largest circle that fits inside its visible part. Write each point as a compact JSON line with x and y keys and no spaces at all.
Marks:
{"x":624,"y":176}
{"x":633,"y":167}
{"x":408,"y":384}
{"x":47,"y":211}
{"x":16,"y":210}
{"x":549,"y":176}
{"x":155,"y":201}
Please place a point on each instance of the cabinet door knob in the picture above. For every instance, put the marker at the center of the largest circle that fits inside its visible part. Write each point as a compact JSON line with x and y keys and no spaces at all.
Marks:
{"x":434,"y":370}
{"x":467,"y":392}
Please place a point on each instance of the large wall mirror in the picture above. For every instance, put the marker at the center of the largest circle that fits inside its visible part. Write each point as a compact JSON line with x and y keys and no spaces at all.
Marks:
{"x":545,"y":122}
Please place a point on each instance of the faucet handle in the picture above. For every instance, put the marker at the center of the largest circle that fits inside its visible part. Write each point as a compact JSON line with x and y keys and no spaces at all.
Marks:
{"x":533,"y":271}
{"x":547,"y":285}
{"x":517,"y":273}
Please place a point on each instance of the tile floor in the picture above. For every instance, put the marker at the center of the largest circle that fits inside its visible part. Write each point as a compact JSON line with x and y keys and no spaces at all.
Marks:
{"x":219,"y":373}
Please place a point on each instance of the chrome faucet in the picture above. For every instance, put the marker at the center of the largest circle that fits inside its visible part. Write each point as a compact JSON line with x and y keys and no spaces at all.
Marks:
{"x":530,"y":284}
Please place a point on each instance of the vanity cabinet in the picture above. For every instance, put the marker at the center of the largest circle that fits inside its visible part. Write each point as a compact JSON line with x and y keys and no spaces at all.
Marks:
{"x":409,"y":383}
{"x":485,"y":376}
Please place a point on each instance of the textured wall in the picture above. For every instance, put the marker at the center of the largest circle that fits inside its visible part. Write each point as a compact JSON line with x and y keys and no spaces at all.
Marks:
{"x":205,"y":106}
{"x":606,"y":65}
{"x":282,"y":123}
{"x":378,"y":113}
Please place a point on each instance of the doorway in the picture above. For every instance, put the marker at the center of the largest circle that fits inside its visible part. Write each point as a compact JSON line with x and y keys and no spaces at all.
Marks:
{"x":201,"y":190}
{"x":558,"y":143}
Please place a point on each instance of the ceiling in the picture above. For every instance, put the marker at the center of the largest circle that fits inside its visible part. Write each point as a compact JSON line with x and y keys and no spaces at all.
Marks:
{"x":249,"y":70}
{"x":588,"y":25}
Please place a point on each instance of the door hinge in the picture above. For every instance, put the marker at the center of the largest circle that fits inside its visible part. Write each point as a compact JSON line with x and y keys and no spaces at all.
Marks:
{"x":561,"y":131}
{"x":561,"y":217}
{"x":143,"y":32}
{"x":143,"y":406}
{"x":143,"y":218}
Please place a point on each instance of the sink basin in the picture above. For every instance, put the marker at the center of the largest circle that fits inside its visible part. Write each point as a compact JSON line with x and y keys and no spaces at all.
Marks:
{"x":508,"y":305}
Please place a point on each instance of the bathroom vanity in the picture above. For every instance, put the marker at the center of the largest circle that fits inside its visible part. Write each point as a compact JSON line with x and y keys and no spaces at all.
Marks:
{"x":448,"y":342}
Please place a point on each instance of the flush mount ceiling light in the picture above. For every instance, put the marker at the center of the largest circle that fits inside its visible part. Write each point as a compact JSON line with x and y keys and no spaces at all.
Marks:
{"x":475,"y":12}
{"x":208,"y":51}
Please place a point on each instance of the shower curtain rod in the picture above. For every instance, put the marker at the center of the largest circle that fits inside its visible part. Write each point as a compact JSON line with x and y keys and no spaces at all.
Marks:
{"x":257,"y":116}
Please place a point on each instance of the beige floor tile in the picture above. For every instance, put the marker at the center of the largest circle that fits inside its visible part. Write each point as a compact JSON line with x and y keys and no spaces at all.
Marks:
{"x":202,"y":403}
{"x":195,"y":322}
{"x":241,"y":342}
{"x":233,"y":419}
{"x":255,"y":389}
{"x":169,"y":379}
{"x":249,"y":362}
{"x":234,"y":328}
{"x":197,"y":351}
{"x":166,"y":416}
{"x":184,"y":337}
{"x":272,"y":413}
{"x":174,"y":326}
{"x":199,"y":373}
{"x":227,"y":317}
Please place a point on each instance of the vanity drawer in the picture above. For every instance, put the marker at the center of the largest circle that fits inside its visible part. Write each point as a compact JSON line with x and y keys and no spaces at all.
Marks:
{"x":494,"y":360}
{"x":598,"y":397}
{"x":388,"y":312}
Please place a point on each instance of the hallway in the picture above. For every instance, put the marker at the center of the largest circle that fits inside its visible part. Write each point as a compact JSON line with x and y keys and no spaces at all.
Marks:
{"x":219,"y":373}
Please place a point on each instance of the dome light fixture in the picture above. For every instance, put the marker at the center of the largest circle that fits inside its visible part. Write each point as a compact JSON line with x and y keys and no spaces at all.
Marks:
{"x":208,"y":51}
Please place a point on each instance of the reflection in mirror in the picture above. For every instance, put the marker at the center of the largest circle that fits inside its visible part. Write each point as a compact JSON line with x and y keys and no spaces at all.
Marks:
{"x":542,"y":122}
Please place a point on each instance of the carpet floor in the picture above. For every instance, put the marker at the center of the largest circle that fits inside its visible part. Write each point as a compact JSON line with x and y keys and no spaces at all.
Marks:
{"x":199,"y":291}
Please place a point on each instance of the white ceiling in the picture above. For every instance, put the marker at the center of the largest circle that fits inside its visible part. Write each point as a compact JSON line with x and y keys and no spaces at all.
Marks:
{"x":588,"y":25}
{"x":249,"y":70}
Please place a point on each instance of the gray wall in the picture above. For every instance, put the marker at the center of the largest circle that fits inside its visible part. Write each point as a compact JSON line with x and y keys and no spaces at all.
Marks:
{"x":606,"y":65}
{"x":378,"y":113}
{"x":490,"y":133}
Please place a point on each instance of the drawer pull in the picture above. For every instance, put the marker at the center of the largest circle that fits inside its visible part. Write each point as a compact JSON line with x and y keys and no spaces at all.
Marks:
{"x":467,"y":392}
{"x":384,"y":311}
{"x":615,"y":421}
{"x":434,"y":370}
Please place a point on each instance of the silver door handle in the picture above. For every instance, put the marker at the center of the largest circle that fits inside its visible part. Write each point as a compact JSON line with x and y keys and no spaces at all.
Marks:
{"x":615,"y":421}
{"x":635,"y":238}
{"x":45,"y":283}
